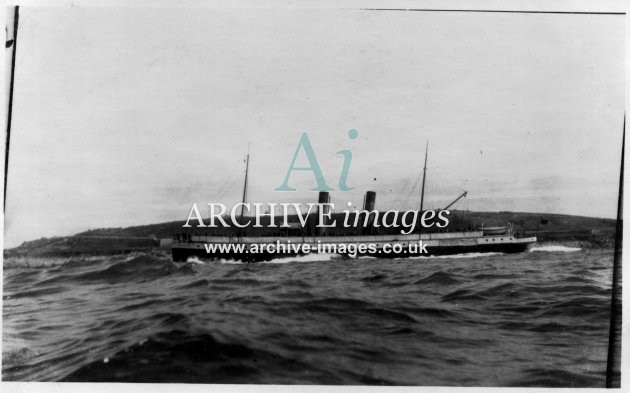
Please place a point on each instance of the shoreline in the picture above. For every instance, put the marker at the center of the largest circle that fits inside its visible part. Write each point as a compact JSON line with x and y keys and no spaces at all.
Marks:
{"x":550,"y":229}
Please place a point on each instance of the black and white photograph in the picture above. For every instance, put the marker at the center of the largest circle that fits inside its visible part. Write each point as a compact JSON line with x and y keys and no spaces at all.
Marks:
{"x":374,"y":193}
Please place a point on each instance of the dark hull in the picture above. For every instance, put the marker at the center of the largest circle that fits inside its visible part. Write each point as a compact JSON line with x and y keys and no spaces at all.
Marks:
{"x":454,"y":250}
{"x":182,"y":254}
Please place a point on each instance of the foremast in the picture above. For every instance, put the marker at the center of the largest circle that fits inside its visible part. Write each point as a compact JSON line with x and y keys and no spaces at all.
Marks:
{"x":244,"y":199}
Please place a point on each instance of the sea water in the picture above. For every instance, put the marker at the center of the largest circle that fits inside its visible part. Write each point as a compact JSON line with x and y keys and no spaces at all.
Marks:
{"x":538,"y":318}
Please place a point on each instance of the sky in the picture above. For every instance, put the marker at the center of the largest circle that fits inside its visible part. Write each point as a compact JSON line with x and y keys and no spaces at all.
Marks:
{"x":126,"y":116}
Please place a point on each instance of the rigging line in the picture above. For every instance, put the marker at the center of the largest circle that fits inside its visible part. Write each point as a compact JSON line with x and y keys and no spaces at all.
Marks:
{"x":450,"y":173}
{"x":454,"y":185}
{"x":404,"y":204}
{"x":442,"y":193}
{"x":218,"y":193}
{"x":227,"y":187}
{"x":404,"y":191}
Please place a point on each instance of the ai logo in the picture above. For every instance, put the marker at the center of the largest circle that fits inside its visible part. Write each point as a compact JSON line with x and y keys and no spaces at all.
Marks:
{"x":305,"y":144}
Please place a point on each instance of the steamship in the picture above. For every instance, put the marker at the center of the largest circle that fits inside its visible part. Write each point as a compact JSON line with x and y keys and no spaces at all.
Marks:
{"x":241,"y":247}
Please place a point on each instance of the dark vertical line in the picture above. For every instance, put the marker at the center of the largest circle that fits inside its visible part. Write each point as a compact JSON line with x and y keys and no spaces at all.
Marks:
{"x":240,"y":230}
{"x":10,"y":110}
{"x":612,"y":363}
{"x":424,"y":175}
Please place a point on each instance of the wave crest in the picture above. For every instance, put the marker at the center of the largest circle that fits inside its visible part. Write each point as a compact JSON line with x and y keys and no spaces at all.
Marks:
{"x":554,"y":248}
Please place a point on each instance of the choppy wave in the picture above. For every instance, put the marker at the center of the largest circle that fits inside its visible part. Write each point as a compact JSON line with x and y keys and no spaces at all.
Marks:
{"x":458,"y":256}
{"x":194,"y":259}
{"x":319,"y":257}
{"x":553,"y":248}
{"x":39,"y":262}
{"x":541,"y":318}
{"x":314,"y":257}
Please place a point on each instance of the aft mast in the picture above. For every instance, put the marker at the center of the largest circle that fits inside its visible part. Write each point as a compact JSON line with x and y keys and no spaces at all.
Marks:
{"x":424,"y":175}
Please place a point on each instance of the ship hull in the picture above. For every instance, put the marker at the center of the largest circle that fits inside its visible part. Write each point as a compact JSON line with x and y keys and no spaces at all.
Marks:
{"x":455,"y":250}
{"x":381,"y":247}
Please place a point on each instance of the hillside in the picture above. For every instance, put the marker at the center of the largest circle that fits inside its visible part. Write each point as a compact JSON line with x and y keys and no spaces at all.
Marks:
{"x":587,"y":231}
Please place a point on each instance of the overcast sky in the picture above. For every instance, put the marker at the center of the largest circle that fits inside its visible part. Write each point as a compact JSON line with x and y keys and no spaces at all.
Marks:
{"x":126,"y":116}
